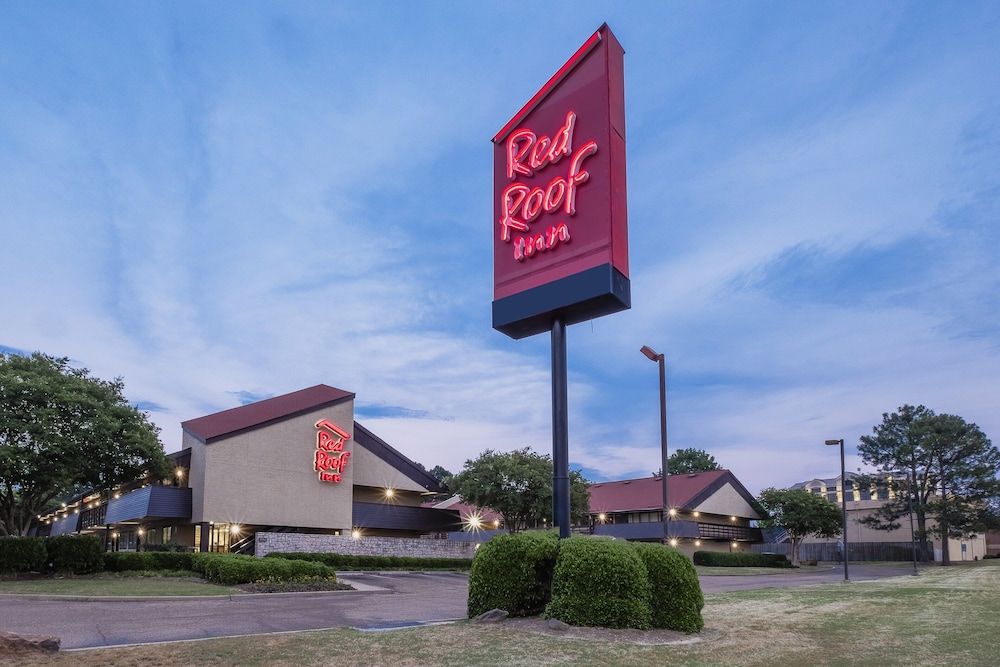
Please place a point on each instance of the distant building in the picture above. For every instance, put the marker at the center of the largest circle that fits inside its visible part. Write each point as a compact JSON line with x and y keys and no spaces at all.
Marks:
{"x":865,"y":494}
{"x":709,"y":511}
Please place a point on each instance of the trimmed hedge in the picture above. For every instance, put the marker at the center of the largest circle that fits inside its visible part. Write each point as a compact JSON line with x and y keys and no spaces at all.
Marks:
{"x":723,"y":559}
{"x":232,"y":569}
{"x":76,"y":554}
{"x":677,"y":599}
{"x":600,"y":582}
{"x":120,"y":561}
{"x":349,"y":562}
{"x":513,"y":573}
{"x":22,"y":554}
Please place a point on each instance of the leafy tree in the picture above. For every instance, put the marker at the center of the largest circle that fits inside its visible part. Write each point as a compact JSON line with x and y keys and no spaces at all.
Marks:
{"x":62,"y":431}
{"x":441,"y":474}
{"x":945,"y":466}
{"x":689,"y":460}
{"x":517,"y":485}
{"x":801,"y":514}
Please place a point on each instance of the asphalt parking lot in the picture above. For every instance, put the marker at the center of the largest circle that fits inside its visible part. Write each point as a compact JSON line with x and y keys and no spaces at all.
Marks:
{"x":382,"y":601}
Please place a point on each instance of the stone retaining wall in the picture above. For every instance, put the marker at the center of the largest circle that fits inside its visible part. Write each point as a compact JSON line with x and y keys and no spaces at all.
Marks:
{"x":364,"y":546}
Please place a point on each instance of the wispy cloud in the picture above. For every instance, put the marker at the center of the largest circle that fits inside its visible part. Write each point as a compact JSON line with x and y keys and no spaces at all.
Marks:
{"x":224,"y":205}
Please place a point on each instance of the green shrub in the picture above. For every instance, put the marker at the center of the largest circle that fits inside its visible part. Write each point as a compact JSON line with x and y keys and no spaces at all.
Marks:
{"x":77,"y":554}
{"x":349,"y":562}
{"x":600,"y":582}
{"x":677,"y":599}
{"x":513,"y":573}
{"x":122,"y":561}
{"x":22,"y":554}
{"x":171,"y":560}
{"x":233,"y":569}
{"x":723,"y":559}
{"x":168,"y":546}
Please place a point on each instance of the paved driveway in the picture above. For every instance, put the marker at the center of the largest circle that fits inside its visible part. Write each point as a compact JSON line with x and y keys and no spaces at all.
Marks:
{"x":384,"y":600}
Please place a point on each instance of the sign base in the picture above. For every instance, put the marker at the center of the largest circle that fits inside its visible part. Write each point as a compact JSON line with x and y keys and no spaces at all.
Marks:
{"x":595,"y":292}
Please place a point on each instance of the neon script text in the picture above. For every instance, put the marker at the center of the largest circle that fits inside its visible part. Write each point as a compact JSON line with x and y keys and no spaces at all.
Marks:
{"x":522,"y":204}
{"x":330,"y":438}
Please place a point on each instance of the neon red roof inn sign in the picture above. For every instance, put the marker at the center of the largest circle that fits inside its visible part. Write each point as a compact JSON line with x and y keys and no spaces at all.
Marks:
{"x":560,"y":244}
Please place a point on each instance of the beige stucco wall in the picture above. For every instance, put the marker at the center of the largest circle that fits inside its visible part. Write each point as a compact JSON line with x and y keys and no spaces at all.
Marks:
{"x":859,"y":533}
{"x":266,"y":476}
{"x":370,"y":470}
{"x":726,"y":501}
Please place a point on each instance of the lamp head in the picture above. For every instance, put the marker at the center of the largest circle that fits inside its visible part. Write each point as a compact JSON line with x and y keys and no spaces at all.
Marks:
{"x":650,"y":353}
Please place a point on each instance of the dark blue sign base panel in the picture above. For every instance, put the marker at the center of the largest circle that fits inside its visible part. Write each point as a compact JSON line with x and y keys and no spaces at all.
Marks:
{"x":595,"y":292}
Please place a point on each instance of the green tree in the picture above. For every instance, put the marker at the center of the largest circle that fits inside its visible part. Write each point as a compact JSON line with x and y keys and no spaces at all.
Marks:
{"x":517,"y":485}
{"x":61,"y":431}
{"x":441,"y":474}
{"x":690,"y":460}
{"x":944,"y":466}
{"x":801,"y":514}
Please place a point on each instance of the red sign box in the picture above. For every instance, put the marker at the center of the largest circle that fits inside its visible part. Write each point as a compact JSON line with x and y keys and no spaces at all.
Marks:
{"x":330,"y":459}
{"x":560,"y":230}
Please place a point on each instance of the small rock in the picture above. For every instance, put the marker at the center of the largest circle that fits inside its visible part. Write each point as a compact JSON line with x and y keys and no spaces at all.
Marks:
{"x":492,"y":616}
{"x":556,"y":624}
{"x":13,"y":644}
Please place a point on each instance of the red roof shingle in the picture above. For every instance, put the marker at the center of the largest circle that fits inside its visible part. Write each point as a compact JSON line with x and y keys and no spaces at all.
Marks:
{"x":235,"y":420}
{"x":646,"y":493}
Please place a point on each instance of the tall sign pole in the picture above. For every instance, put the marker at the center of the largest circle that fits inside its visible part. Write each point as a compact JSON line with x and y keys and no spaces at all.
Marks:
{"x":560,"y":232}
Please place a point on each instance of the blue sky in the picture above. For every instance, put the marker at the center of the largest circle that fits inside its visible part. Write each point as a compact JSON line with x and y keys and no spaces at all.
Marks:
{"x":227,"y":201}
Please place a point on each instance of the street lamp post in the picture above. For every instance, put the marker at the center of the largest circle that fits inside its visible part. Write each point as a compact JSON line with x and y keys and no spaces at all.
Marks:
{"x":843,"y":500}
{"x":911,"y":487}
{"x":664,"y":470}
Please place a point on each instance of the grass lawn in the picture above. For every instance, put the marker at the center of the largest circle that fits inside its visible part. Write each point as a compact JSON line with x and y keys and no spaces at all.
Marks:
{"x":944,"y":616}
{"x":116,"y":584}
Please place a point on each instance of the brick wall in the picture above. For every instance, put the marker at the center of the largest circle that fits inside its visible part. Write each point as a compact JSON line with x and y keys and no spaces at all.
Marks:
{"x":365,"y":546}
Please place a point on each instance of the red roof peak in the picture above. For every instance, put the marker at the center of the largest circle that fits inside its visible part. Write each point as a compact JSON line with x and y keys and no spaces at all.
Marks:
{"x":245,"y":417}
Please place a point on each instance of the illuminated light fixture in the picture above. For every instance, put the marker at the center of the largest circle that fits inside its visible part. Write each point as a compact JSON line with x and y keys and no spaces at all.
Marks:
{"x":673,"y":512}
{"x":473,"y":522}
{"x":141,"y":532}
{"x":117,"y":496}
{"x":356,"y":534}
{"x":179,"y":473}
{"x":732,"y":518}
{"x":496,"y":523}
{"x":76,"y":511}
{"x":735,"y":544}
{"x":389,"y":493}
{"x":673,"y":541}
{"x":235,"y":529}
{"x":697,"y":514}
{"x":602,"y":517}
{"x":697,"y":543}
